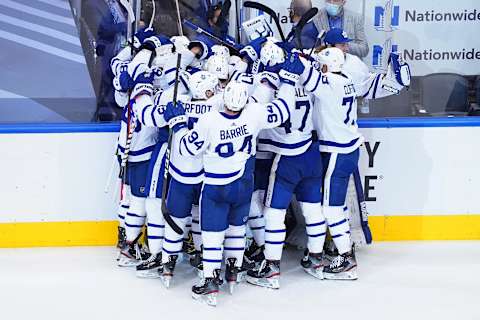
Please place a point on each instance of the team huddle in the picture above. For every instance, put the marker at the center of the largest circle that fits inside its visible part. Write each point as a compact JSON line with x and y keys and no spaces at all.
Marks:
{"x":226,"y":141}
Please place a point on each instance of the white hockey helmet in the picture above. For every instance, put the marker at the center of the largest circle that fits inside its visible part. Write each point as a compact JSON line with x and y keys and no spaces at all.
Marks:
{"x":220,"y":50}
{"x":201,"y":82}
{"x":218,"y":65}
{"x":164,"y":52}
{"x":181,"y":43}
{"x":235,"y":96}
{"x":271,"y":54}
{"x":333,"y":58}
{"x":235,"y":63}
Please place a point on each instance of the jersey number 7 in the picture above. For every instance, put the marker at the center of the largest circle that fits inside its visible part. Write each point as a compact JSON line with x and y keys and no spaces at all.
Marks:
{"x":348,"y":101}
{"x":287,"y":125}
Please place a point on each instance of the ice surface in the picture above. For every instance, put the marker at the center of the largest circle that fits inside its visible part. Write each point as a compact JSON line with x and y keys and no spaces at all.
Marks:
{"x":407,"y":280}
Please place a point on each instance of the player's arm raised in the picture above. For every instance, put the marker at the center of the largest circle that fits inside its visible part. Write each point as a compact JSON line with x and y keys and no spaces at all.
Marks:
{"x":383,"y":85}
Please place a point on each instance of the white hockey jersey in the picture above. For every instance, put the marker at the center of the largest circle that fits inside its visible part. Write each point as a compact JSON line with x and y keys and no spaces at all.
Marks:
{"x":229,"y":141}
{"x":185,"y":168}
{"x":294,"y":137}
{"x":335,"y":110}
{"x":143,"y":139}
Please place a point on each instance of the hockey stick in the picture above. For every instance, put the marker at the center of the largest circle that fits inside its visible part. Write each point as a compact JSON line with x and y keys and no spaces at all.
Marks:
{"x":165,"y":211}
{"x":131,"y":17}
{"x":301,"y":24}
{"x":238,"y":17}
{"x":199,"y":30}
{"x":363,"y":206}
{"x":269,"y":11}
{"x":179,"y":19}
{"x":317,"y":43}
{"x":150,"y":25}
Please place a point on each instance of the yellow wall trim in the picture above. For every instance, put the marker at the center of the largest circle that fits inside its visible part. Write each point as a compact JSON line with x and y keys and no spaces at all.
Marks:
{"x":104,"y":233}
{"x":452,"y":227}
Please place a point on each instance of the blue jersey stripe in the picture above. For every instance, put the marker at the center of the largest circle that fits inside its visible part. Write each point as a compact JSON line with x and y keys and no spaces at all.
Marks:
{"x":284,"y":145}
{"x":137,"y":152}
{"x":221,"y":175}
{"x":185,"y":174}
{"x":338,"y":145}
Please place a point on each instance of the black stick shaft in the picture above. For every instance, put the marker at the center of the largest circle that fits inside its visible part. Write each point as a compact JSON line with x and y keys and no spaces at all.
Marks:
{"x":165,"y":211}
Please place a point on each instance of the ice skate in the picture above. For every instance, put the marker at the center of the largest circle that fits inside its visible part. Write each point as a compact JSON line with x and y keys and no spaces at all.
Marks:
{"x":233,"y":274}
{"x":268,"y":275}
{"x":166,"y":274}
{"x":150,"y":268}
{"x":207,"y":289}
{"x":129,"y":255}
{"x":343,"y":267}
{"x":253,"y":256}
{"x":329,"y":250}
{"x":196,"y":263}
{"x":313,"y":264}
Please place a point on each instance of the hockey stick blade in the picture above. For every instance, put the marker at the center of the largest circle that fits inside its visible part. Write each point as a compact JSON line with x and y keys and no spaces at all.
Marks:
{"x":269,"y":11}
{"x":363,"y":206}
{"x":165,"y":211}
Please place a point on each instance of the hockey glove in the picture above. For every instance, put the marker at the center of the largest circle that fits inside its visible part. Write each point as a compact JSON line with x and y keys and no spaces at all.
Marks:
{"x":270,"y":78}
{"x":141,"y":35}
{"x":142,"y":81}
{"x":400,"y":69}
{"x":123,"y":82}
{"x":251,"y":52}
{"x":152,"y":43}
{"x":291,"y":70}
{"x":175,"y":116}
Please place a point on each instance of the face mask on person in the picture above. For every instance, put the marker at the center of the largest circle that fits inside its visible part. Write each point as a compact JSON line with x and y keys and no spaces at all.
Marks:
{"x":333,"y":9}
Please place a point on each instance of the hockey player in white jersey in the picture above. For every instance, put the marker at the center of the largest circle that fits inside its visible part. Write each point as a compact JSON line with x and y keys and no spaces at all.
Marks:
{"x":119,"y":64}
{"x":139,"y":150}
{"x":227,"y":140}
{"x":335,"y":112}
{"x":187,"y":172}
{"x":296,"y":170}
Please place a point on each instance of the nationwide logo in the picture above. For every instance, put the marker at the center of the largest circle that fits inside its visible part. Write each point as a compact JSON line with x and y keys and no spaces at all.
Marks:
{"x":387,"y":17}
{"x":381,"y":53}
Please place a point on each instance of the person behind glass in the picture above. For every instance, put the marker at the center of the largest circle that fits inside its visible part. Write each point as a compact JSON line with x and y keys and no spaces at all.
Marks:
{"x":110,"y":37}
{"x":309,"y":32}
{"x":213,"y":16}
{"x":335,"y":15}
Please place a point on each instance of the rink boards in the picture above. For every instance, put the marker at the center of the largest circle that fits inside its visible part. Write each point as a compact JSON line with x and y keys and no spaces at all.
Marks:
{"x":421,"y":181}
